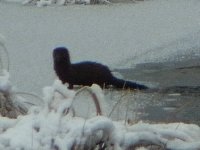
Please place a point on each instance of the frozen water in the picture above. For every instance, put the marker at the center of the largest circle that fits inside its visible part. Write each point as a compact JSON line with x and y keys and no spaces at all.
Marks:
{"x":118,"y":35}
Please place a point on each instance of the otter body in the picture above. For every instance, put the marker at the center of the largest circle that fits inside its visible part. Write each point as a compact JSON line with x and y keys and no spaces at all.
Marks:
{"x":86,"y":73}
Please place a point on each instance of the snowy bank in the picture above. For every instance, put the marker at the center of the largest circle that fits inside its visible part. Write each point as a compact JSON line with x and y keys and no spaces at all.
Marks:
{"x":41,"y":3}
{"x":56,"y":125}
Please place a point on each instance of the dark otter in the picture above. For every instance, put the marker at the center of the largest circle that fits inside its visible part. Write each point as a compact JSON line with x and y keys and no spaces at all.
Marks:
{"x":87,"y":73}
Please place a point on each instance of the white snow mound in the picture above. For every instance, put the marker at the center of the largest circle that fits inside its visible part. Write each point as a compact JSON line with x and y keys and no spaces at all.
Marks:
{"x":55,"y":125}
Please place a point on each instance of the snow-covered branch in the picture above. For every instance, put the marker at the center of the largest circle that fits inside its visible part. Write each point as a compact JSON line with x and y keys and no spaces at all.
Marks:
{"x":41,"y":3}
{"x":47,"y":127}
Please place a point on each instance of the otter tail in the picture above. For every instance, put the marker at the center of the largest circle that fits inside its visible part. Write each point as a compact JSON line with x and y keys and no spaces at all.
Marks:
{"x":120,"y":83}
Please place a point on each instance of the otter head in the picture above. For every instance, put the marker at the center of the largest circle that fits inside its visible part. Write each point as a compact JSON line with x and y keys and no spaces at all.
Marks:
{"x":61,"y":56}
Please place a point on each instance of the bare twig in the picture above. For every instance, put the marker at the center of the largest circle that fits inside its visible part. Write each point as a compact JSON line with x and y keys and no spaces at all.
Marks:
{"x":115,"y":106}
{"x":93,"y":95}
{"x":7,"y":55}
{"x":94,"y":98}
{"x":31,"y":94}
{"x":127,"y":106}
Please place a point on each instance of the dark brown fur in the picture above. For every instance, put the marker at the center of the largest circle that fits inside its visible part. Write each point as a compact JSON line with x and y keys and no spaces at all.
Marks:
{"x":86,"y":73}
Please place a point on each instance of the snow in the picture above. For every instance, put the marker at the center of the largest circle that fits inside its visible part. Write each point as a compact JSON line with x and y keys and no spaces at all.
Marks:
{"x":48,"y":126}
{"x":42,"y":3}
{"x":4,"y":82}
{"x":119,"y":35}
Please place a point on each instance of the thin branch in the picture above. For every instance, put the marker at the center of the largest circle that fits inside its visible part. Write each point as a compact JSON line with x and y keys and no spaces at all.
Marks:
{"x":31,"y":94}
{"x":7,"y":54}
{"x":116,"y":104}
{"x":94,"y":97}
{"x":127,"y":106}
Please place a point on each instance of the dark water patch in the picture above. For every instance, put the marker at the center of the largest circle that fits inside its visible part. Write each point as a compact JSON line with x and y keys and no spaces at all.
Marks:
{"x":166,"y":74}
{"x":176,"y":96}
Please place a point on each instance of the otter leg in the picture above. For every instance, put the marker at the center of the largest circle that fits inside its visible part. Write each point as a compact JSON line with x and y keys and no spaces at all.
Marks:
{"x":70,"y":86}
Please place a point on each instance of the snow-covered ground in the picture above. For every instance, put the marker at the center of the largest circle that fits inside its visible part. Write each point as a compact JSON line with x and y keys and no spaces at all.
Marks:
{"x":55,"y":125}
{"x":118,"y":35}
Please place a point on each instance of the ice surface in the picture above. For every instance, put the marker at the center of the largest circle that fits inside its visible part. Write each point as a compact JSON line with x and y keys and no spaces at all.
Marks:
{"x":118,"y":35}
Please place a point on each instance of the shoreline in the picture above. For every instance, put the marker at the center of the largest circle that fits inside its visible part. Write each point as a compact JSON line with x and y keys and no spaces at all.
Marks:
{"x":165,"y":74}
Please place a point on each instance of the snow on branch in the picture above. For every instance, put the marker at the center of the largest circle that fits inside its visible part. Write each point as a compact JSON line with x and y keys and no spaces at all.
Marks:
{"x":41,"y":3}
{"x":55,"y":125}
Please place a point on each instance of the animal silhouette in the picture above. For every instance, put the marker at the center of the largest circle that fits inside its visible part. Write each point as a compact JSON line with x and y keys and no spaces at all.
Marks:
{"x":87,"y":72}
